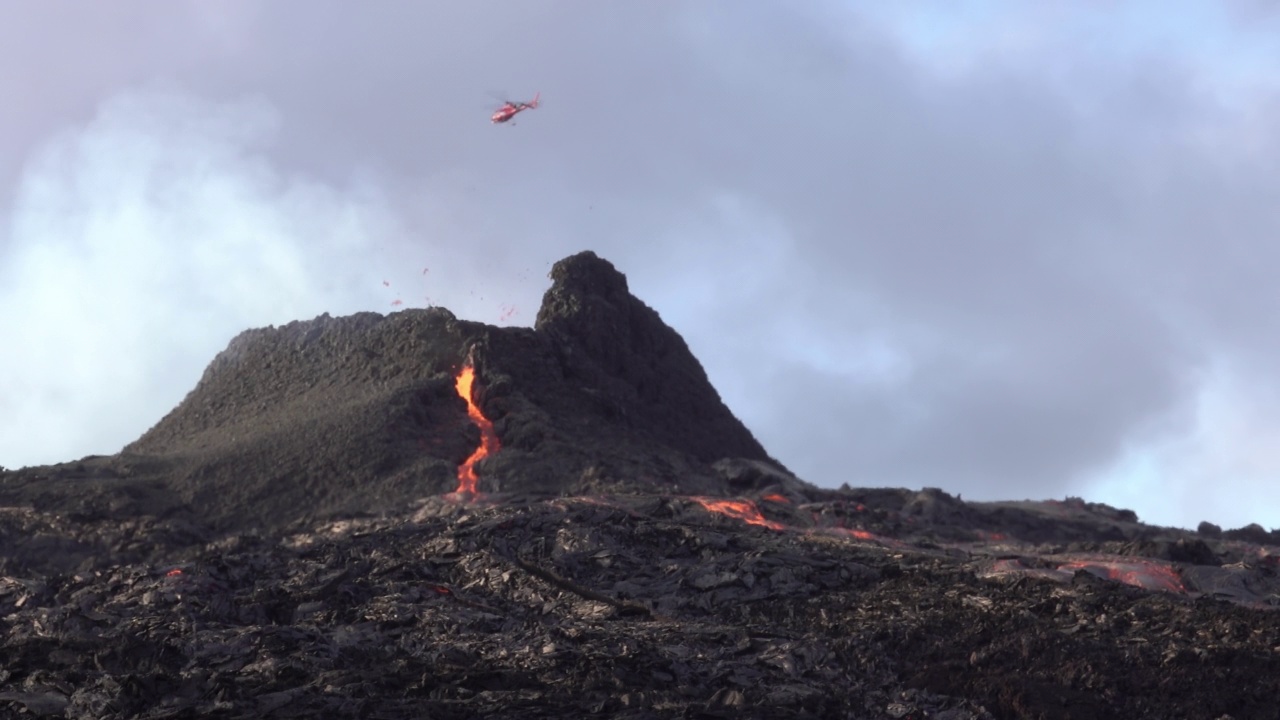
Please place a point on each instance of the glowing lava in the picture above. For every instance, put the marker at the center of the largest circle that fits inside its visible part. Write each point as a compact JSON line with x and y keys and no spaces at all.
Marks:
{"x":467,"y":481}
{"x":744,"y":510}
{"x":1147,"y":574}
{"x":850,"y":532}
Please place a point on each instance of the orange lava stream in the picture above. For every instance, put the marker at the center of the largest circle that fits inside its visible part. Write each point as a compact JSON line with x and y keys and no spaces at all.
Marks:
{"x":1143,"y":574}
{"x":744,"y":510}
{"x":468,"y":482}
{"x":860,"y":534}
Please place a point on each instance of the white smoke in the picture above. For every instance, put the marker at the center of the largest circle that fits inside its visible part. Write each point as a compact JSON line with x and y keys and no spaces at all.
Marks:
{"x":1221,"y":465}
{"x":139,"y":244}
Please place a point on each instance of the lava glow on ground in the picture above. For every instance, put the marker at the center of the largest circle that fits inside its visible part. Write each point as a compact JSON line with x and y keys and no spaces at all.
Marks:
{"x":744,"y":510}
{"x":1152,"y":575}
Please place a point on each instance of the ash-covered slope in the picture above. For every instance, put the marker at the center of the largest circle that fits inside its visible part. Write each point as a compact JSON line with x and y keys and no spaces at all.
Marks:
{"x":361,"y":414}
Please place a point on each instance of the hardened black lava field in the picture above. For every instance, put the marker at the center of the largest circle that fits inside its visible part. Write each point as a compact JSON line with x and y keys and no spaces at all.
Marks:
{"x":290,"y":541}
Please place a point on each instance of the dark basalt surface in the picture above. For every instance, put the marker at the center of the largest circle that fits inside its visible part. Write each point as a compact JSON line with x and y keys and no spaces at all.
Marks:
{"x":287,"y":543}
{"x":360,"y":414}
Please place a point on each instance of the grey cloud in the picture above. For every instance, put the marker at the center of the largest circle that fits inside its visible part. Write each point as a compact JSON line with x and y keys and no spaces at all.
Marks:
{"x":1048,"y":246}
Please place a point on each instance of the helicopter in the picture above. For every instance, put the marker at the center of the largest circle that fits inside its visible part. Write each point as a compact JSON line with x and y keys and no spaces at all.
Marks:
{"x":509,"y":109}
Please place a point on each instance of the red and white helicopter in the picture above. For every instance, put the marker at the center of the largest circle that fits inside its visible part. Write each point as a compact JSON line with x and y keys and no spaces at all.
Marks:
{"x":509,"y":109}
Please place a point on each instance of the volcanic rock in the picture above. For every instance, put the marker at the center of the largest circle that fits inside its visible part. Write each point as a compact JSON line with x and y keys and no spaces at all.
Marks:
{"x":608,"y":340}
{"x":289,"y":542}
{"x":1254,"y":533}
{"x":1208,"y":529}
{"x":360,"y":414}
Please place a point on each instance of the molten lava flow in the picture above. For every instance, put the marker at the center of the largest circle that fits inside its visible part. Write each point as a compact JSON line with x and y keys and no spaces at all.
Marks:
{"x":467,"y":480}
{"x":744,"y":510}
{"x":850,"y":532}
{"x":1148,"y":574}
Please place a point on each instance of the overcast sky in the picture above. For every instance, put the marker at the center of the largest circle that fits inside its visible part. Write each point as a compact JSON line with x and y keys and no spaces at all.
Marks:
{"x":1012,"y":250}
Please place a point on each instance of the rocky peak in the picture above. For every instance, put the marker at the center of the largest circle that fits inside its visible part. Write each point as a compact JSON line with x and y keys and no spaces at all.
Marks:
{"x":608,"y":338}
{"x":361,"y":413}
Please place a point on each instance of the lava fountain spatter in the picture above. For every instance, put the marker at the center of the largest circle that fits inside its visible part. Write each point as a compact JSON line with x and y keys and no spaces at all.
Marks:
{"x":467,"y":480}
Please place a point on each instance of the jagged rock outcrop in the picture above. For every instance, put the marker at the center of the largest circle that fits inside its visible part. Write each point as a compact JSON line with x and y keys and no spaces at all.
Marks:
{"x":605,"y":338}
